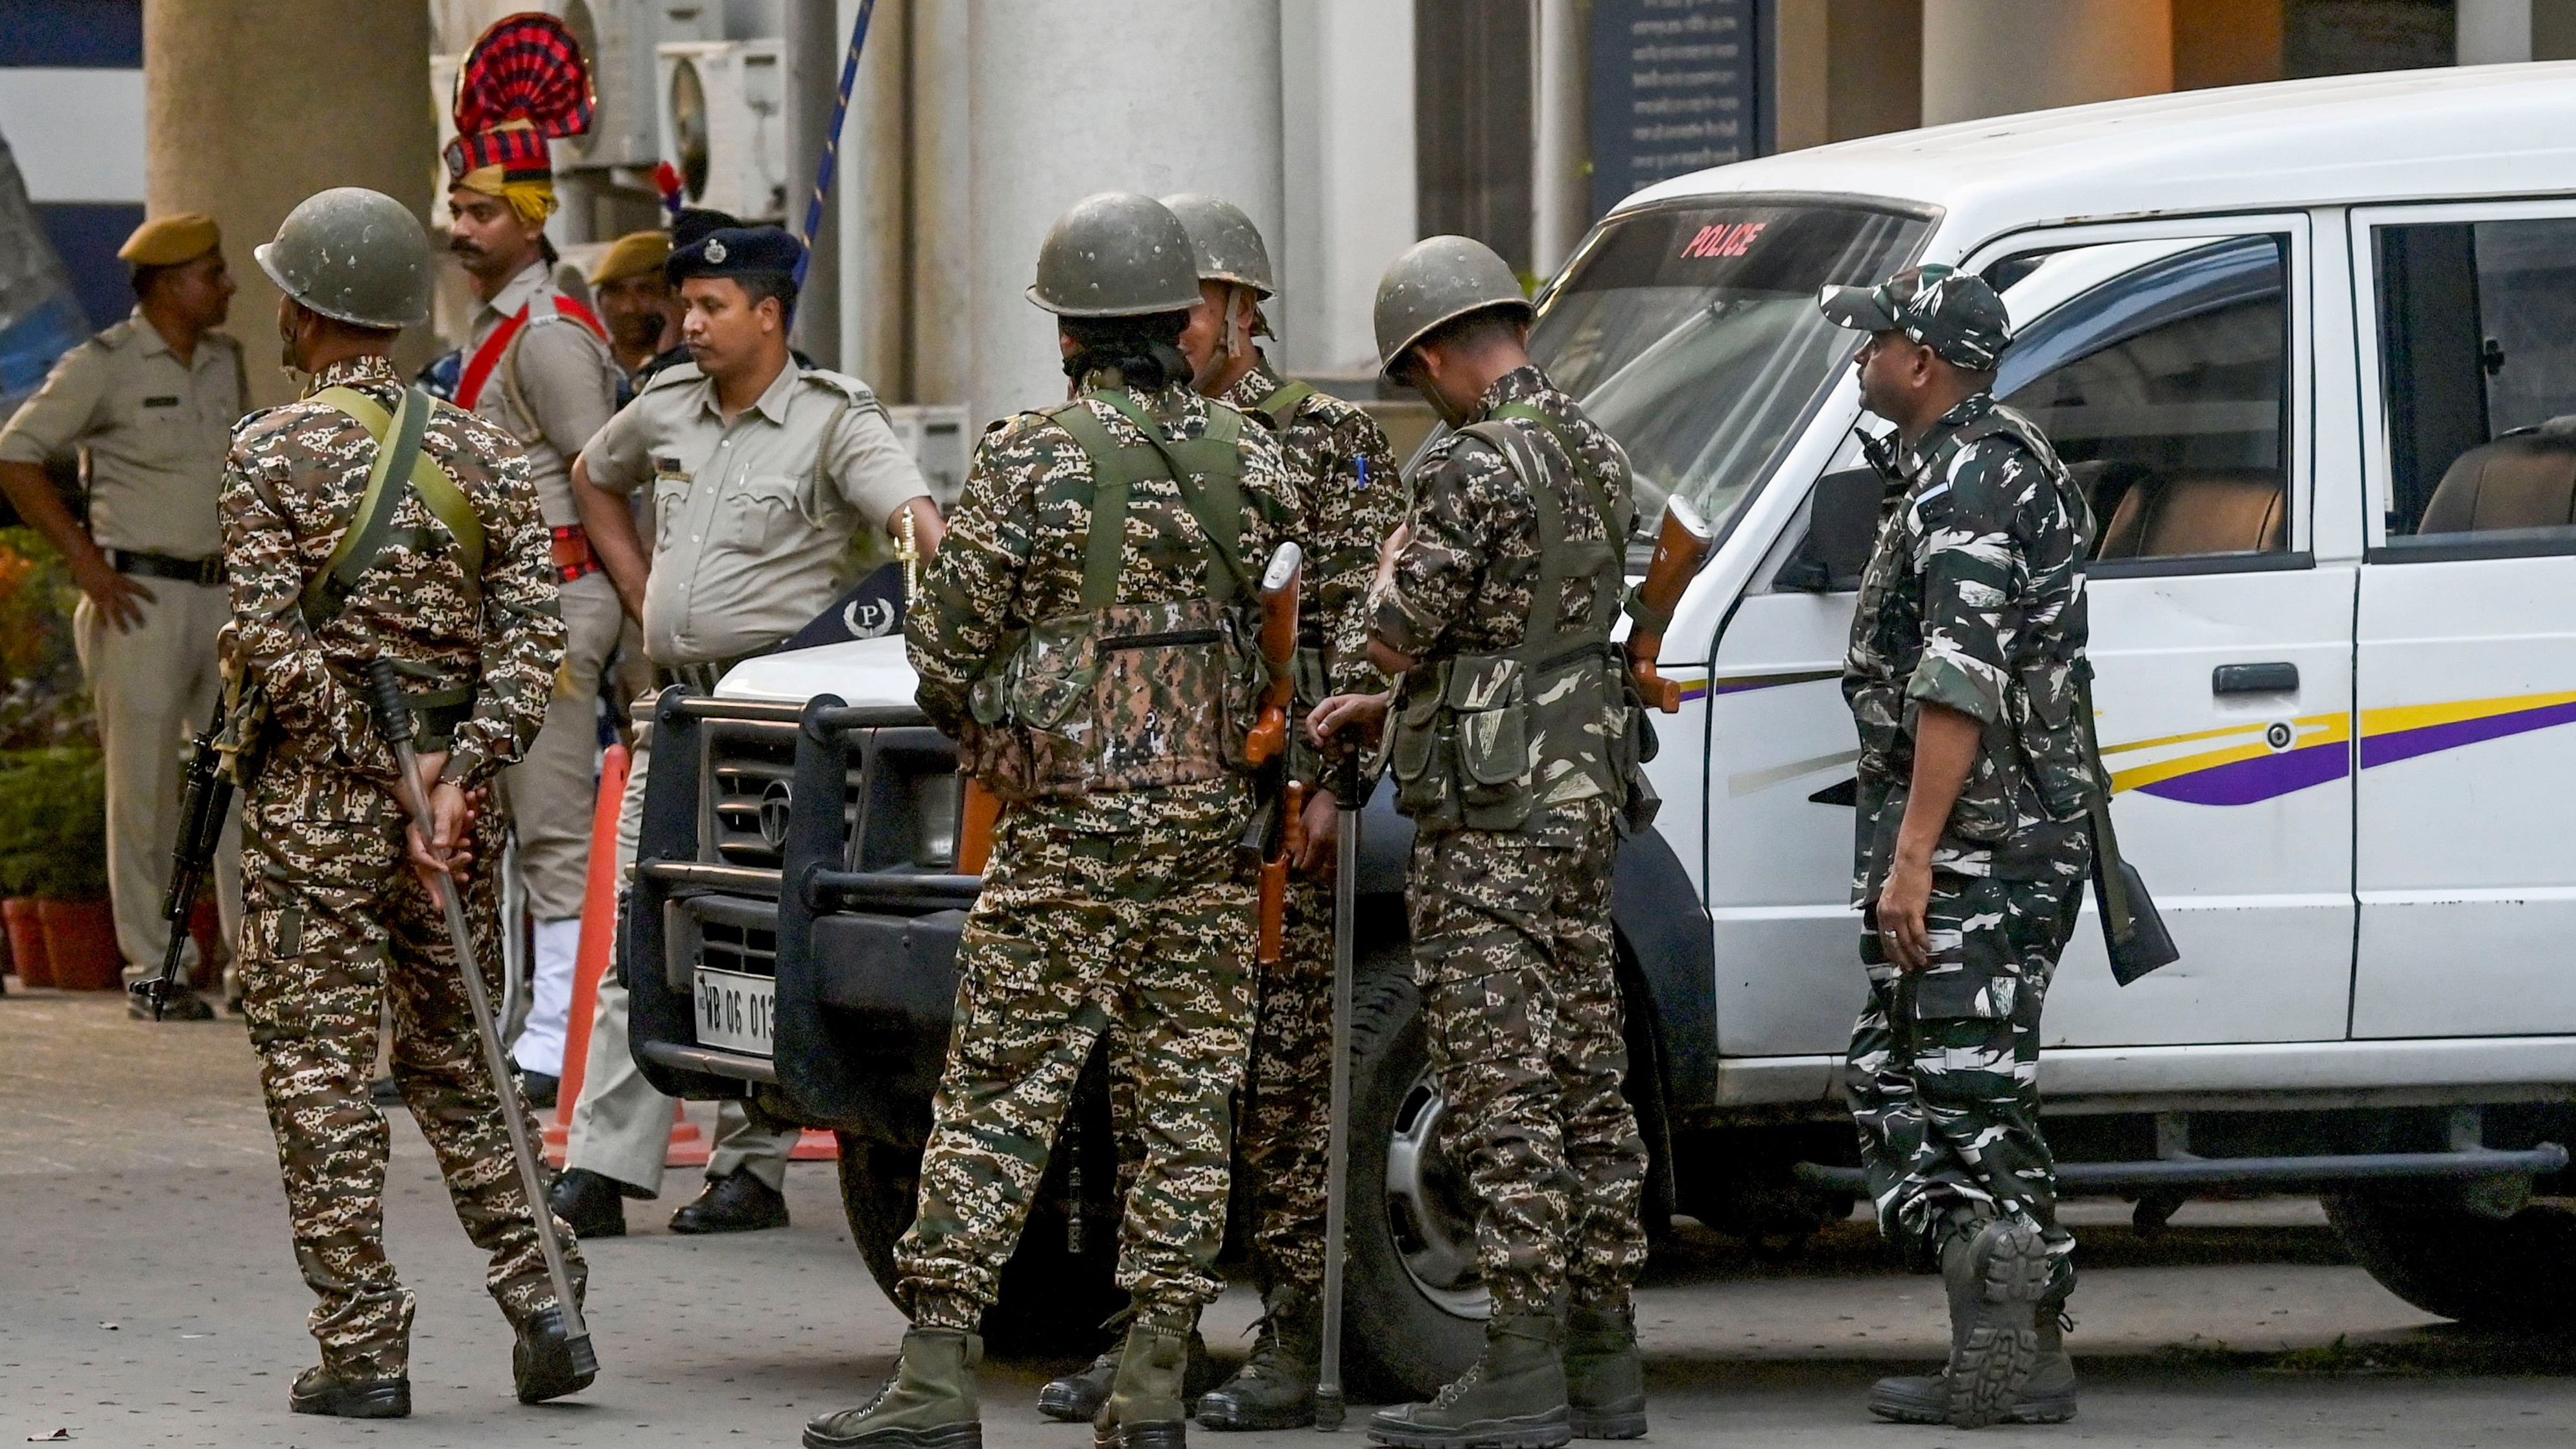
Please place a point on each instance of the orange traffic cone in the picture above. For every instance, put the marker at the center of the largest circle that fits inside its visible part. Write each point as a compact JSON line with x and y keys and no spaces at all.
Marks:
{"x":598,"y":944}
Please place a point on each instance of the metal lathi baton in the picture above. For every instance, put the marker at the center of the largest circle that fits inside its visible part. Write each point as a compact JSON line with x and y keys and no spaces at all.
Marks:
{"x":393,"y":716}
{"x":1337,"y":1151}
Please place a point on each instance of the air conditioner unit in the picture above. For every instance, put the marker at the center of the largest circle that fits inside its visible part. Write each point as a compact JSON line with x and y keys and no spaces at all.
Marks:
{"x":620,"y":38}
{"x":936,"y":436}
{"x":724,"y":124}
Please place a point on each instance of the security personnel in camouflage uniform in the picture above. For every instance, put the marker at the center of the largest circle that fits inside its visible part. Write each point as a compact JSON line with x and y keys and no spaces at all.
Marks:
{"x":458,"y":590}
{"x":1086,"y":633}
{"x":1514,"y":751}
{"x":1345,"y":474}
{"x":1964,"y":677}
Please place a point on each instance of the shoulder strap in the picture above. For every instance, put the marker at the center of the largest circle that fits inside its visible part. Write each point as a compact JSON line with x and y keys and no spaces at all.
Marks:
{"x":1560,"y":558}
{"x":1206,"y":469}
{"x":400,"y":468}
{"x":1282,"y":403}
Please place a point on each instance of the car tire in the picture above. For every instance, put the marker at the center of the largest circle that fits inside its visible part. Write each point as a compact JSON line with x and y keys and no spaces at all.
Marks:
{"x":1412,"y":1313}
{"x":2516,"y":1272}
{"x":1052,"y":1303}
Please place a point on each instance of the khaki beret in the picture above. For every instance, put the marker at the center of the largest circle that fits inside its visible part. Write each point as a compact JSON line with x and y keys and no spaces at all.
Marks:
{"x":635,"y":254}
{"x":166,"y":241}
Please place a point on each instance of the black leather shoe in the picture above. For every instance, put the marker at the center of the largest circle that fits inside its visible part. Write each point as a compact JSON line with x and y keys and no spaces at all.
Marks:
{"x":595,"y":1205}
{"x":736,"y":1203}
{"x":546,"y":1362}
{"x":319,"y":1390}
{"x":539,"y":1087}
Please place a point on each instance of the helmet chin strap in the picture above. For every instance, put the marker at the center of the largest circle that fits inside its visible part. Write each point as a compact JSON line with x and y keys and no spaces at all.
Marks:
{"x":1242,"y":312}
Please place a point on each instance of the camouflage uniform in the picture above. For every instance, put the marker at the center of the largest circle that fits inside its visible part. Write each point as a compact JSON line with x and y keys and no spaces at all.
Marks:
{"x":1973,"y":600}
{"x":1122,"y":906}
{"x":1286,"y":1109}
{"x":335,"y":920}
{"x":1511,"y":928}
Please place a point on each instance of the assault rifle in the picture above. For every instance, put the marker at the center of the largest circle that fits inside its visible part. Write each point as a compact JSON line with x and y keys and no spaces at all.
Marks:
{"x":1277,"y":831}
{"x":1681,"y":546}
{"x":202,"y":809}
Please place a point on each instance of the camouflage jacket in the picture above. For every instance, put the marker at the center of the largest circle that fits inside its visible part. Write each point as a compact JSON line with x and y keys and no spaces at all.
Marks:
{"x":1013,"y":556}
{"x":1465,"y":582}
{"x":291,"y":485}
{"x":1349,"y":511}
{"x":1974,"y":600}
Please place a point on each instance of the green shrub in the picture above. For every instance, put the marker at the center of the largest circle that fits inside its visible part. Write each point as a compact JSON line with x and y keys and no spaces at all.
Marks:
{"x":53,"y":824}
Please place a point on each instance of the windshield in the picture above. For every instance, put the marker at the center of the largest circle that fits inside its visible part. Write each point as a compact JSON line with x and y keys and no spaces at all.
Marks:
{"x":1692,"y":335}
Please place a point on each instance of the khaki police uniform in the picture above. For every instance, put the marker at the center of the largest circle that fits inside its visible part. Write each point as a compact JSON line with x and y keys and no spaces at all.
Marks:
{"x":749,"y":522}
{"x":154,"y":431}
{"x":554,"y":386}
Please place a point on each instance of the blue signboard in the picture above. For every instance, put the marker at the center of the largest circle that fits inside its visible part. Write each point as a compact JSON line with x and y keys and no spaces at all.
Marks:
{"x":1676,"y":87}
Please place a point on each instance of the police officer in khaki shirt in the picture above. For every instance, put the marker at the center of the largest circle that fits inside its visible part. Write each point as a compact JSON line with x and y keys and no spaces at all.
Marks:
{"x":151,"y":402}
{"x":537,"y":363}
{"x":758,"y":471}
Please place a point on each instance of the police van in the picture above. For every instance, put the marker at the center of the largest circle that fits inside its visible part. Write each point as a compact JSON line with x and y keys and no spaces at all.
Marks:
{"x":2311,"y":350}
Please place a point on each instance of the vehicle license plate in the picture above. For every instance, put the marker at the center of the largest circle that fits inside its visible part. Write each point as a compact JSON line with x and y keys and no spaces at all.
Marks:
{"x":734,"y":1010}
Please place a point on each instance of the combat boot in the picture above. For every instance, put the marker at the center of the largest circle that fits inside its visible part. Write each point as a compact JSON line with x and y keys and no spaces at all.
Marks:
{"x":325,"y":1390}
{"x":1077,"y":1396}
{"x":1145,"y":1409}
{"x":1512,"y":1398}
{"x":2049,"y":1397}
{"x":1994,"y":1271}
{"x":545,"y":1363}
{"x":1605,"y":1378}
{"x":1275,"y":1389}
{"x":928,"y":1402}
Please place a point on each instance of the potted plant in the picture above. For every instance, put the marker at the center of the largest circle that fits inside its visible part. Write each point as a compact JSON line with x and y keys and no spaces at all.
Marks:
{"x":53,"y":851}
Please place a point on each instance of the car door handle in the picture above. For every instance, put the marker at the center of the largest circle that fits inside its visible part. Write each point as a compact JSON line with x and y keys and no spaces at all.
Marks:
{"x":2275,"y":678}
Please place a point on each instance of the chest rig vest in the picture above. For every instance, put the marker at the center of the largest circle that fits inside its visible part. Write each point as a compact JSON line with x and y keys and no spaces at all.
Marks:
{"x":1483,"y":740}
{"x":1117,"y":697}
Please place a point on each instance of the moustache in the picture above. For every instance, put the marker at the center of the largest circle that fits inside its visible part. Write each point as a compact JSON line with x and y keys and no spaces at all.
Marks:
{"x":465,"y":246}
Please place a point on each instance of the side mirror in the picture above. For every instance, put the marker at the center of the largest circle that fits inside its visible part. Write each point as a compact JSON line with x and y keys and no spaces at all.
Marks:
{"x":1842,"y":527}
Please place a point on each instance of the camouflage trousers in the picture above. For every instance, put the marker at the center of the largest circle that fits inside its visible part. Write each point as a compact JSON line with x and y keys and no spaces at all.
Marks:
{"x":1943,"y":1072}
{"x":1513,"y":953}
{"x":334,"y":927}
{"x":1283,"y":1120}
{"x":1075,"y":933}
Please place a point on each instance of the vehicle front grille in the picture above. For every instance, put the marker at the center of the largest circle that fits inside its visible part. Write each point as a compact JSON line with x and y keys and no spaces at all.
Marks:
{"x":749,"y":770}
{"x":751,"y":950}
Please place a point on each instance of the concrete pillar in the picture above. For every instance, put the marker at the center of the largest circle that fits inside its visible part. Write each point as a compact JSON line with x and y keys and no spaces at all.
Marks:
{"x":874,"y":202}
{"x":1347,"y":103}
{"x":1999,"y":57}
{"x":1558,"y":200}
{"x":1150,"y":95}
{"x":814,"y":44}
{"x":1845,"y":68}
{"x":938,"y":348}
{"x":2493,"y":32}
{"x":251,"y":106}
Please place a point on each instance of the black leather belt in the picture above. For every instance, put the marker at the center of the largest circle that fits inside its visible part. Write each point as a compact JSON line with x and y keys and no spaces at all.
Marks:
{"x":702,"y":678}
{"x":207,"y":571}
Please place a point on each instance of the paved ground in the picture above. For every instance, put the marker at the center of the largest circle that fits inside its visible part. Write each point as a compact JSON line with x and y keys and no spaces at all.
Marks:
{"x":148,"y":1297}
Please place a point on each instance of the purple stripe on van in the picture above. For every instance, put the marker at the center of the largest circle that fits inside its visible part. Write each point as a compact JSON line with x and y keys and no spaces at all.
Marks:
{"x":2398,"y":745}
{"x":2244,"y":782}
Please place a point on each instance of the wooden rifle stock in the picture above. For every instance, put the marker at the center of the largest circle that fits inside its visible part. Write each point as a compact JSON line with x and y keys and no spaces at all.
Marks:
{"x":1280,"y":584}
{"x":1273,"y":937}
{"x":977,"y":810}
{"x":1681,"y":546}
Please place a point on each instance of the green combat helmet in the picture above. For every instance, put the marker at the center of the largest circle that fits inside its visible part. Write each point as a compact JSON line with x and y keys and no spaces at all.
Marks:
{"x":1225,"y":243}
{"x":353,"y":254}
{"x":1439,"y":280}
{"x":1116,"y":254}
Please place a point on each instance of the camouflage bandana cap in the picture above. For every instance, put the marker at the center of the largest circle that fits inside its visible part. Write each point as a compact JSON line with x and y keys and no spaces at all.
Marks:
{"x":1952,"y":312}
